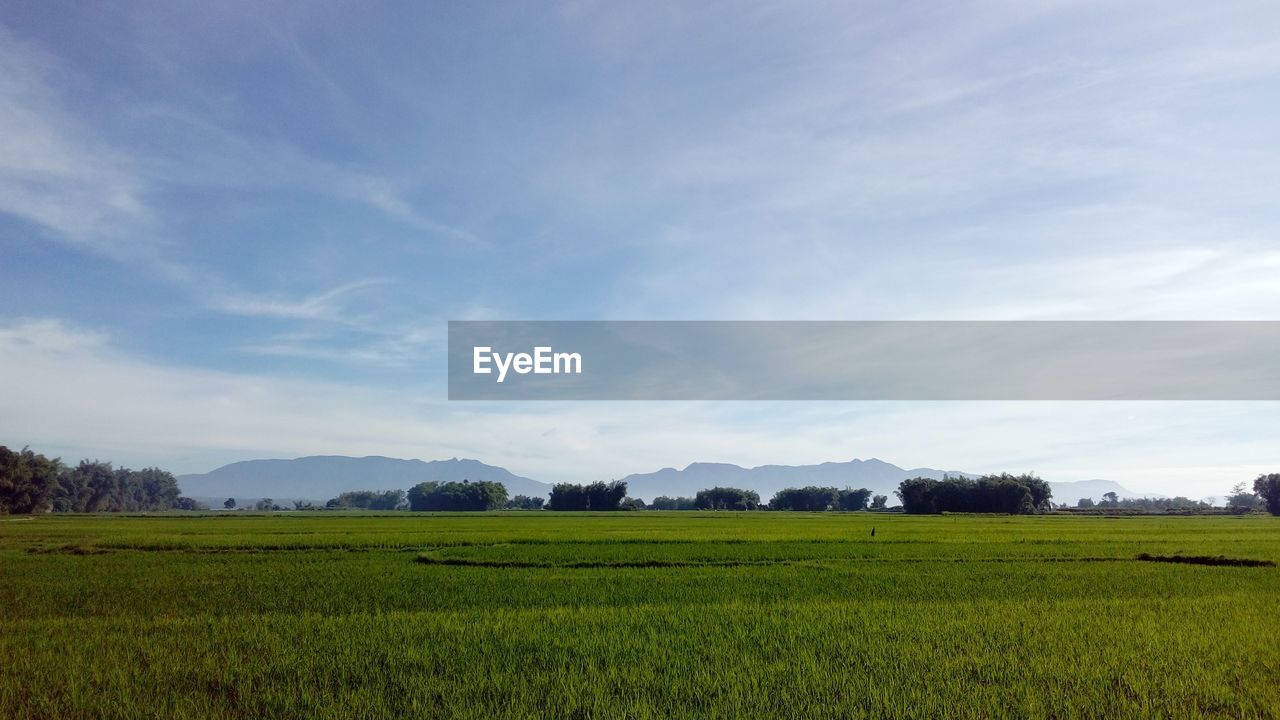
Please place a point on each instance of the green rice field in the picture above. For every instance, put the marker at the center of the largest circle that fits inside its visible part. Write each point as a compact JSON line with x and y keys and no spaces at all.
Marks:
{"x":637,"y":615}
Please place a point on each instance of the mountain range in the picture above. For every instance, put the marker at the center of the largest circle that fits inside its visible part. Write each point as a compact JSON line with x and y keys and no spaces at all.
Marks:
{"x":875,"y":475}
{"x":321,"y":477}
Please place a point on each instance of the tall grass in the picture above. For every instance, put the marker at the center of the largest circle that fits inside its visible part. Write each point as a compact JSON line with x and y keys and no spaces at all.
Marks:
{"x":642,"y":615}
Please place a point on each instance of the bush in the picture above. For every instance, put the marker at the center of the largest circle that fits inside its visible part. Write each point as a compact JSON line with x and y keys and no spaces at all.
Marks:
{"x":662,"y":502}
{"x":457,"y":496}
{"x":596,"y":496}
{"x":724,"y":498}
{"x":526,"y":502}
{"x":1004,"y":493}
{"x":369,"y":500}
{"x":854,"y":499}
{"x":27,"y":481}
{"x":809,"y":498}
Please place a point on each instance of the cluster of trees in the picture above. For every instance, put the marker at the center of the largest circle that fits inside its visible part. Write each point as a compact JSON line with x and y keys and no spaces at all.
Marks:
{"x":33,"y":483}
{"x":458,"y":496}
{"x":366,"y":500}
{"x":806,"y":499}
{"x":596,"y":496}
{"x":1003,"y":493}
{"x":1243,"y":500}
{"x":813,"y":498}
{"x":809,"y":499}
{"x":1265,"y":494}
{"x":1112,"y":501}
{"x":526,"y":502}
{"x":1268,"y":488}
{"x":726,"y":498}
{"x":662,"y":502}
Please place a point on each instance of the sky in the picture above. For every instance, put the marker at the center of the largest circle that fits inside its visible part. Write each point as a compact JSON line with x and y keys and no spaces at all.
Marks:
{"x":237,"y":230}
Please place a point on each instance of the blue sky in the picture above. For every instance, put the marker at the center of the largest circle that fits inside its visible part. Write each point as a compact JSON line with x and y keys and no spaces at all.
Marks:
{"x":233,"y":230}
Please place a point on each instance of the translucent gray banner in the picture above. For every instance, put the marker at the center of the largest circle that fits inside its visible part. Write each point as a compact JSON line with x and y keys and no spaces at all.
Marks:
{"x":863,"y":360}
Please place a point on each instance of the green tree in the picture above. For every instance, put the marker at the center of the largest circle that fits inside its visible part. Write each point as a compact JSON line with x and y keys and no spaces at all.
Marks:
{"x":27,"y":481}
{"x":849,"y":499}
{"x":1268,"y":487}
{"x":186,"y":503}
{"x":457,"y":496}
{"x":369,"y":500}
{"x":417,"y":495}
{"x":596,"y":496}
{"x":33,"y":483}
{"x":1003,"y":493}
{"x":726,"y":498}
{"x":230,"y":504}
{"x":1241,"y":499}
{"x":879,"y":502}
{"x":526,"y":502}
{"x":808,"y":499}
{"x":662,"y":502}
{"x":148,"y":489}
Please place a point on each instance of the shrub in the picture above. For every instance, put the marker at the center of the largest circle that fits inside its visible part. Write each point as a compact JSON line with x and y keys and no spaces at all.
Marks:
{"x":457,"y":496}
{"x":725,"y":498}
{"x":1004,"y":493}
{"x":596,"y":496}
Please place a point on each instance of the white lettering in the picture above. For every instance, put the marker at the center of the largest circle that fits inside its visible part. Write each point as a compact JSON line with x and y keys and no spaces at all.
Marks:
{"x":543,"y":361}
{"x":504,"y":363}
{"x":572,"y":363}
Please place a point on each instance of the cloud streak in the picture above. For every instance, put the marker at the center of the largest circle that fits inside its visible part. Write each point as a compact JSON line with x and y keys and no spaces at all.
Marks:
{"x":54,"y":171}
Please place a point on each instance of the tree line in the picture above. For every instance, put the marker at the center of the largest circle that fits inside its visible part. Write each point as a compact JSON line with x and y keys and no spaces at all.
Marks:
{"x":808,"y":499}
{"x":33,"y":483}
{"x":1111,"y":501}
{"x":1003,"y":493}
{"x":597,"y":496}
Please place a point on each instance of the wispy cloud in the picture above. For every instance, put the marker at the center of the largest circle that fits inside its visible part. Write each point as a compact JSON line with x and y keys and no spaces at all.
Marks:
{"x":383,"y":347}
{"x":55,"y":171}
{"x":325,"y":305}
{"x":896,"y":160}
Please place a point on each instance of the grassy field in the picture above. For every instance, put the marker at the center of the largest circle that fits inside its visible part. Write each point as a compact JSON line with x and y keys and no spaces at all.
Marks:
{"x":642,"y":615}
